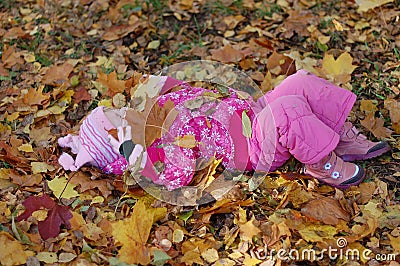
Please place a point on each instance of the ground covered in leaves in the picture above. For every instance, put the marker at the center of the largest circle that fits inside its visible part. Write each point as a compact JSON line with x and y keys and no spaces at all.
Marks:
{"x":61,"y":59}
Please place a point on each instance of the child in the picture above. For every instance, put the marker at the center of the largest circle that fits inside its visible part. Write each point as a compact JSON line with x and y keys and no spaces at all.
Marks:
{"x":303,"y":117}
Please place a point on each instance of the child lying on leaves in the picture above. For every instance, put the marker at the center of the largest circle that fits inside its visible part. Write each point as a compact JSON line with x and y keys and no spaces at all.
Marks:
{"x":305,"y":117}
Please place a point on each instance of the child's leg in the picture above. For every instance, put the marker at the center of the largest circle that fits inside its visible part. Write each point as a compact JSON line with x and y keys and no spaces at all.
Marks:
{"x":330,"y":103}
{"x":299,"y":132}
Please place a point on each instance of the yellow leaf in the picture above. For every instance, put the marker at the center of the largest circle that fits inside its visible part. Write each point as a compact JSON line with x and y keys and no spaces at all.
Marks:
{"x":40,"y":167}
{"x":14,"y":254}
{"x":178,"y":236}
{"x":4,"y":212}
{"x":339,"y":70}
{"x":210,"y":255}
{"x":61,"y":187}
{"x":187,"y":141}
{"x":67,"y":97}
{"x":318,"y":233}
{"x":248,"y":230}
{"x":26,"y":148}
{"x":40,"y":215}
{"x":192,"y":257}
{"x":365,"y":5}
{"x":132,"y":233}
{"x":395,"y":242}
{"x":47,"y":257}
{"x":106,"y":103}
{"x":153,"y":44}
{"x":249,"y":261}
{"x":12,"y":116}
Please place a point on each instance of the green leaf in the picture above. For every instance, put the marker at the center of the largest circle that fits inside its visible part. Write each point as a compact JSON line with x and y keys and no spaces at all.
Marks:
{"x":185,"y":215}
{"x":246,"y":125}
{"x":160,"y":257}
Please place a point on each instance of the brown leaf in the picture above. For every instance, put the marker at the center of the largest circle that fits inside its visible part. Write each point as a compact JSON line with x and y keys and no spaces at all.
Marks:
{"x":57,"y":74}
{"x":11,"y":58}
{"x":317,"y":209}
{"x":81,"y":95}
{"x":375,"y":125}
{"x":111,"y":81}
{"x":394,"y":110}
{"x":86,"y":183}
{"x":150,"y":124}
{"x":227,"y":54}
{"x":280,"y":64}
{"x":34,"y":96}
{"x":15,"y":33}
{"x":368,"y":106}
{"x":116,"y":32}
{"x":297,"y":22}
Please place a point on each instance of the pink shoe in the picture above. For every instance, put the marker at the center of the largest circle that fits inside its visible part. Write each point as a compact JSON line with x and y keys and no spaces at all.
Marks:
{"x":335,"y":172}
{"x":355,"y":146}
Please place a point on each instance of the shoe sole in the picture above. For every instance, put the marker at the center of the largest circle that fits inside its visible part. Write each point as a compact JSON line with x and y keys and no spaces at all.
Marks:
{"x":343,"y":186}
{"x":360,"y":157}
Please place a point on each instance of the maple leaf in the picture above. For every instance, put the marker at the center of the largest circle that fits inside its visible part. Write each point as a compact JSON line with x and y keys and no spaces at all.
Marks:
{"x":375,"y":125}
{"x":316,"y":209}
{"x":118,"y":31}
{"x":61,"y":187}
{"x":280,"y":64}
{"x":57,"y":74}
{"x":12,"y":252}
{"x":338,"y":71}
{"x":298,"y":22}
{"x":150,"y":124}
{"x":56,"y":216}
{"x":133,"y":233}
{"x":365,"y":5}
{"x":227,"y":54}
{"x":394,"y":111}
{"x":111,"y":82}
{"x":34,"y":97}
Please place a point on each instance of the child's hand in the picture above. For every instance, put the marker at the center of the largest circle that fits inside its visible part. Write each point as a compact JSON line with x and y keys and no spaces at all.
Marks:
{"x":124,"y":145}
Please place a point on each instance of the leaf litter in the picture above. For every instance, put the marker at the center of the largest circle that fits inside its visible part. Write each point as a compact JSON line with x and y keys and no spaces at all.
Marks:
{"x":58,"y":65}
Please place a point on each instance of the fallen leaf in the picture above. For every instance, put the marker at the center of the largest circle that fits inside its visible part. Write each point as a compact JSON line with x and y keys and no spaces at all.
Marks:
{"x":375,"y":126}
{"x":35,"y":96}
{"x":41,"y":167}
{"x":187,"y":141}
{"x":248,"y":230}
{"x":365,"y":5}
{"x":116,"y":32}
{"x":318,"y":233}
{"x":56,"y":216}
{"x":227,"y":54}
{"x":4,"y":212}
{"x":61,"y":187}
{"x":316,"y":209}
{"x":368,"y":106}
{"x":394,"y":111}
{"x":47,"y":257}
{"x":13,"y":252}
{"x":155,"y":119}
{"x":153,"y":44}
{"x":111,"y":82}
{"x":280,"y":64}
{"x":132,"y":233}
{"x":210,"y":255}
{"x":57,"y":74}
{"x":338,"y":70}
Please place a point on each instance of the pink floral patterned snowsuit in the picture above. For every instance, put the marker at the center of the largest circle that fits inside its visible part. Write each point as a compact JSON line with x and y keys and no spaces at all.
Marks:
{"x":301,"y":117}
